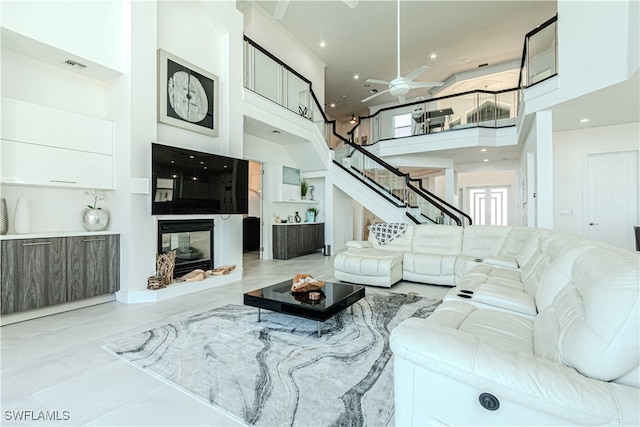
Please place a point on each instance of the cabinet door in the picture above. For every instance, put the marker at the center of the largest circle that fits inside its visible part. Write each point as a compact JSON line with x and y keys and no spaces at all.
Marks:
{"x":9,"y":273}
{"x":50,"y":166}
{"x":33,"y":273}
{"x":93,"y":266}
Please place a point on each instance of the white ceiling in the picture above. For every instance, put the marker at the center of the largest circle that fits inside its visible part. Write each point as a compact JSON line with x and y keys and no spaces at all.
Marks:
{"x":463,"y":35}
{"x":362,"y":40}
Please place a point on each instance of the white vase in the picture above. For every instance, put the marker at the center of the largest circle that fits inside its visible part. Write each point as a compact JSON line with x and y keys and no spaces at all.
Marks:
{"x":21,"y":217}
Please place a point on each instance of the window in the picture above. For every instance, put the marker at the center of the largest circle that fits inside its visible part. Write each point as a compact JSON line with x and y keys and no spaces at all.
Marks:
{"x":402,"y":125}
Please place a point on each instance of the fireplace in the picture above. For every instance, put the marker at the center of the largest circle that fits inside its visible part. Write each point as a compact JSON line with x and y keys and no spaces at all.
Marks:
{"x":191,"y":239}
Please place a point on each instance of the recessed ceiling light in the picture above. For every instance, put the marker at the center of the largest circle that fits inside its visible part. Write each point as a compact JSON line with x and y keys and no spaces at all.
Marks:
{"x":356,"y":77}
{"x":485,"y":160}
{"x":344,"y":96}
{"x":483,"y":149}
{"x":323,"y":44}
{"x":333,"y":105}
{"x":434,"y":56}
{"x":585,"y":120}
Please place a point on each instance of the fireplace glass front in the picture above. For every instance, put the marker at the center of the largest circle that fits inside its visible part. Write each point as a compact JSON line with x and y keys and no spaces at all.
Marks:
{"x":191,"y":239}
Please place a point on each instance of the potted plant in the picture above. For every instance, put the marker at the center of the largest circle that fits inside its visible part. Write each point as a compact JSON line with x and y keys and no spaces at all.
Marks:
{"x":304,"y":187}
{"x":312,"y":214}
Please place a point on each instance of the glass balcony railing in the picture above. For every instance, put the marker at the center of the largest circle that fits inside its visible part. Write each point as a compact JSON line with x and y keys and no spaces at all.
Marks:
{"x":469,"y":109}
{"x":539,"y":55}
{"x":271,"y":78}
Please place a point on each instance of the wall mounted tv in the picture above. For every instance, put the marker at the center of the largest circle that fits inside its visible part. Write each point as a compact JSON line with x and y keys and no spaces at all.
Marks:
{"x":192,"y":182}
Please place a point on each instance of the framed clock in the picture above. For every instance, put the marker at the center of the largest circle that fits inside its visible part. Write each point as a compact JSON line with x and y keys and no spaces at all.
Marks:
{"x":187,"y":94}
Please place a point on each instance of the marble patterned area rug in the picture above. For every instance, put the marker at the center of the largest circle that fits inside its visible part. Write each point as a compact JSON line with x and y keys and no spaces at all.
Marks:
{"x":278,"y":372}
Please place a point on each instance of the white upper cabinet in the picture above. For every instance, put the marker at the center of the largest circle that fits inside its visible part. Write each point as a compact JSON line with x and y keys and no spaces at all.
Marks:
{"x":50,"y":147}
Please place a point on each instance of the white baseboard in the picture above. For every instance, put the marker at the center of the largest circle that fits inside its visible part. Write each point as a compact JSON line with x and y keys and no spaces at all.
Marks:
{"x":8,"y":319}
{"x":177,"y":289}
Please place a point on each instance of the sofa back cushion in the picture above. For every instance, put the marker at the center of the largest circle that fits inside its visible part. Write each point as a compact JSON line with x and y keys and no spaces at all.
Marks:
{"x":550,"y":246}
{"x":437,"y":239}
{"x":479,"y":241}
{"x":401,"y":243}
{"x":595,"y":318}
{"x":562,"y":253}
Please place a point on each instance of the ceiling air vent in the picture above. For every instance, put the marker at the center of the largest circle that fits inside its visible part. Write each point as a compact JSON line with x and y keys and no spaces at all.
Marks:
{"x":75,"y":64}
{"x":484,"y":84}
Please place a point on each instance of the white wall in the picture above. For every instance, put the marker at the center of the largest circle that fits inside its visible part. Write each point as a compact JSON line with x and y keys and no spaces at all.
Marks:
{"x":591,"y":34}
{"x":572,"y":147}
{"x":91,"y":30}
{"x":124,"y":36}
{"x":25,"y":76}
{"x":342,"y":227}
{"x":264,"y":30}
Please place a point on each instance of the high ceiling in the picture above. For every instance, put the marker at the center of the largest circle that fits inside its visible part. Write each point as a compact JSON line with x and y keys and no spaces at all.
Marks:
{"x":363,"y":40}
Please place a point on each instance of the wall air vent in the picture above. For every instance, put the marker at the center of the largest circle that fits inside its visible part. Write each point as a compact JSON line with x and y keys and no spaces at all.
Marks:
{"x":74,"y":64}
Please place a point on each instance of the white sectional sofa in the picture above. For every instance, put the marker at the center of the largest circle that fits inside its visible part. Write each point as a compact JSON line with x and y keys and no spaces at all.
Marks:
{"x":540,"y":328}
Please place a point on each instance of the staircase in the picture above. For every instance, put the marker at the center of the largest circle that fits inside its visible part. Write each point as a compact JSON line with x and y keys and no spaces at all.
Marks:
{"x":391,"y":195}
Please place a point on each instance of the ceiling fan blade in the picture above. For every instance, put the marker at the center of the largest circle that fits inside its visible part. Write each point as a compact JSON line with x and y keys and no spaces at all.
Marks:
{"x":351,"y":3}
{"x":281,"y":8}
{"x":415,"y":85}
{"x":378,"y":82}
{"x":374,"y":95}
{"x":411,"y":77}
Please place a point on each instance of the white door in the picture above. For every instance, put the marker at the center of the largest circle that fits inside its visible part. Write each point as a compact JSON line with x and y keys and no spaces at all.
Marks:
{"x":612,"y":198}
{"x":489,"y":205}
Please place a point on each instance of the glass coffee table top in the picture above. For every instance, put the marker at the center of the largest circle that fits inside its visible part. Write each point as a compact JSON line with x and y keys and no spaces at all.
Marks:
{"x":334,"y":298}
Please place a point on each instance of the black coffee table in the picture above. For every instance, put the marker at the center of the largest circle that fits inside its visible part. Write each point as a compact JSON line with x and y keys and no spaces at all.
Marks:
{"x":335,"y":297}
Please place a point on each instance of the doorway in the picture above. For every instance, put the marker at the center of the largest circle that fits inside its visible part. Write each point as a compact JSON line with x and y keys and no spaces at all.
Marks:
{"x":611,"y":198}
{"x":489,"y":205}
{"x":254,"y":222}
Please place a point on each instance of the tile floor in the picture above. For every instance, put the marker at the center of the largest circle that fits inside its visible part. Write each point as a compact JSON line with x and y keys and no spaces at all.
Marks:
{"x":56,"y":363}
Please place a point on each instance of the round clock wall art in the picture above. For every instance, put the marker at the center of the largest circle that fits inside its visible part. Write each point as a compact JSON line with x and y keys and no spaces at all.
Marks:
{"x":188,"y":95}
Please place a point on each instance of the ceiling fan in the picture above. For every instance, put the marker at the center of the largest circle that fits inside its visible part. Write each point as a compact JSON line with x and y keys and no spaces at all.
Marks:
{"x":400,"y":86}
{"x":281,"y":7}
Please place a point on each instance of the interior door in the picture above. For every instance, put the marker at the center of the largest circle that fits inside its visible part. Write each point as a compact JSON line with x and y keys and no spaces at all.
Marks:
{"x":612,"y":198}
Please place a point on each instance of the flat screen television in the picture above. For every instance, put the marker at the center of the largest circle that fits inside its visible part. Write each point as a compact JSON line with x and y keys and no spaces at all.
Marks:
{"x":191,"y":182}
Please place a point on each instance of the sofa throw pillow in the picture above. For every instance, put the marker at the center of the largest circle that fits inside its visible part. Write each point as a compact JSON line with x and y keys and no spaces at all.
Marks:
{"x":387,"y":232}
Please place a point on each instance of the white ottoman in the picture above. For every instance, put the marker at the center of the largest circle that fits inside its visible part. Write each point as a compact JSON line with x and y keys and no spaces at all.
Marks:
{"x":369,"y":266}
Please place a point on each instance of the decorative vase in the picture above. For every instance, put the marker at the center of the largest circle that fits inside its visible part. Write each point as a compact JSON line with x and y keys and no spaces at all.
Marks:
{"x":4,"y":219}
{"x":311,"y":217}
{"x":94,"y":219}
{"x":22,"y":218}
{"x":298,"y":219}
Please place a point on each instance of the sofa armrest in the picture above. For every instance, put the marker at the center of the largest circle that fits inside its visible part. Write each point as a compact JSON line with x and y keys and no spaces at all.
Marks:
{"x":500,"y":261}
{"x":438,"y":346}
{"x":359,"y":244}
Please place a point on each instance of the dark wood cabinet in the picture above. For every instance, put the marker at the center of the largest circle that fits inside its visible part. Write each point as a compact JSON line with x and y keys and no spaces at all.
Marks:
{"x":290,"y":241}
{"x":47,"y":271}
{"x":93,"y":266}
{"x":33,"y":273}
